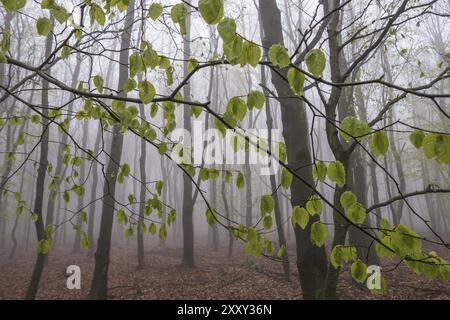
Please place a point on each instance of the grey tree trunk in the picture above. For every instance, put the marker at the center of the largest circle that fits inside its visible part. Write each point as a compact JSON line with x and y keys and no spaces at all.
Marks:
{"x":188,"y":205}
{"x":311,"y":260}
{"x":99,"y":286}
{"x":40,"y":181}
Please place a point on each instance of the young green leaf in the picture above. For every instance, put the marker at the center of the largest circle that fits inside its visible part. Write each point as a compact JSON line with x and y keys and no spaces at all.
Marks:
{"x":314,"y":205}
{"x":286,"y":178}
{"x":98,"y":82}
{"x":255,"y":99}
{"x":319,"y":171}
{"x":416,"y":138}
{"x":43,"y":26}
{"x":227,"y":29}
{"x":336,"y":173}
{"x":267,"y":222}
{"x":155,"y":11}
{"x":379,"y":143}
{"x":146,"y":92}
{"x":356,"y":213}
{"x":267,"y":204}
{"x":296,"y":80}
{"x":319,"y":233}
{"x":348,"y":199}
{"x":211,"y":10}
{"x":300,"y":216}
{"x":315,"y":61}
{"x":278,"y":55}
{"x":359,"y":271}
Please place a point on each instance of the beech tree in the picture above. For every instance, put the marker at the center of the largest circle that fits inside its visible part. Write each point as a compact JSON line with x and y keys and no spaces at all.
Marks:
{"x":109,"y":115}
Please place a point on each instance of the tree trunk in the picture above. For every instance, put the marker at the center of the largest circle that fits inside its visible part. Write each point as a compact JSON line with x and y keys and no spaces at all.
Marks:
{"x":188,"y":205}
{"x":99,"y":286}
{"x":311,"y":260}
{"x":40,"y":181}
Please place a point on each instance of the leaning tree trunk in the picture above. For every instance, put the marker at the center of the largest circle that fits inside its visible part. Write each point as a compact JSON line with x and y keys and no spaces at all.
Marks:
{"x":311,"y":260}
{"x":99,"y":286}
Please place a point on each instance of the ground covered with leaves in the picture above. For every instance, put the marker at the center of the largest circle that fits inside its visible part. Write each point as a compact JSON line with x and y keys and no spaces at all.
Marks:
{"x":215,"y":276}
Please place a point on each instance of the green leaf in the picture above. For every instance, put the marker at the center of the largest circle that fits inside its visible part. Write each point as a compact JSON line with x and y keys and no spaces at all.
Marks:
{"x":286,"y":178}
{"x":152,"y":228}
{"x":342,"y":254}
{"x":296,"y":80}
{"x":281,"y":251}
{"x":319,"y":233}
{"x":406,"y":241}
{"x":278,"y":55}
{"x":150,"y":57}
{"x":178,"y":15}
{"x":416,"y":138}
{"x":211,"y":10}
{"x":121,"y":217}
{"x":162,"y":148}
{"x":84,"y":240}
{"x":192,"y":64}
{"x":240,"y":182}
{"x":210,"y":217}
{"x":14,"y":5}
{"x":353,"y":127}
{"x":196,"y":111}
{"x":252,"y":53}
{"x":319,"y":170}
{"x":97,"y":14}
{"x":44,"y":246}
{"x":129,"y":85}
{"x":98,"y":82}
{"x":3,"y":58}
{"x":129,"y":232}
{"x":65,"y":52}
{"x":136,"y":64}
{"x":379,"y":143}
{"x":267,"y":222}
{"x":204,"y":174}
{"x":155,"y":11}
{"x":34,"y":217}
{"x":237,"y":107}
{"x":314,"y":205}
{"x":267,"y":204}
{"x":227,"y":30}
{"x":255,"y":99}
{"x":315,"y":61}
{"x":359,"y":271}
{"x":162,"y":232}
{"x":66,"y":196}
{"x":336,"y":173}
{"x":60,"y":13}
{"x":125,"y":170}
{"x":83,"y":217}
{"x":159,"y":186}
{"x":356,"y":213}
{"x":300,"y":216}
{"x":348,"y":199}
{"x":146,"y":92}
{"x":233,"y":49}
{"x":43,"y":26}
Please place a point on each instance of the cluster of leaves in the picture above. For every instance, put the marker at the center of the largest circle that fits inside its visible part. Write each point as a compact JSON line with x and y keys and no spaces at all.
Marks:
{"x":335,"y":171}
{"x":435,"y":146}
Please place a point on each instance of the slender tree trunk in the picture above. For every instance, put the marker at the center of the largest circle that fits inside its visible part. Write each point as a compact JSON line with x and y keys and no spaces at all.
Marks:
{"x":99,"y":286}
{"x":40,"y":181}
{"x":188,"y":205}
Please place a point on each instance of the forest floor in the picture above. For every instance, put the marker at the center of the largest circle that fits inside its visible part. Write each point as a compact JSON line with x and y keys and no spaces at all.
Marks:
{"x":215,"y":277}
